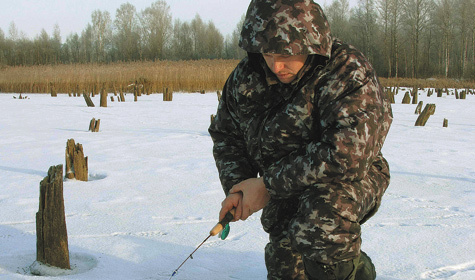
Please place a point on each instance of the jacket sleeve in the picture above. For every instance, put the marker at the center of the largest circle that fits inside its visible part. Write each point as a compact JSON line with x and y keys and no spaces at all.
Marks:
{"x":354,"y":117}
{"x":229,"y":149}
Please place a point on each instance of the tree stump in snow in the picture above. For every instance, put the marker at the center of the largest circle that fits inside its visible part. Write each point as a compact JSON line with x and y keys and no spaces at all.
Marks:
{"x":439,"y":92}
{"x":390,"y":93}
{"x":136,"y":91}
{"x":103,"y":98}
{"x":121,"y":95}
{"x":429,"y":110}
{"x":88,"y":100}
{"x":445,"y":123}
{"x":76,"y":163}
{"x":414,"y":95}
{"x":167,"y":95}
{"x":52,"y":237}
{"x":418,"y":108}
{"x":406,"y":99}
{"x":54,"y":93}
{"x":94,"y":125}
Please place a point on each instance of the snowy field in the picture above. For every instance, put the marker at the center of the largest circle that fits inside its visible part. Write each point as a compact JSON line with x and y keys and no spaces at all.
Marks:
{"x":154,"y":191}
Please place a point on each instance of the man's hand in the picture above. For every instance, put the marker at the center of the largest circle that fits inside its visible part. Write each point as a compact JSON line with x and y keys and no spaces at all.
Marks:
{"x":233,"y":200}
{"x":254,"y":197}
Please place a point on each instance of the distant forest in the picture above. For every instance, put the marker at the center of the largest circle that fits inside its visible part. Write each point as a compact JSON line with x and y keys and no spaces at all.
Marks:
{"x":402,"y":38}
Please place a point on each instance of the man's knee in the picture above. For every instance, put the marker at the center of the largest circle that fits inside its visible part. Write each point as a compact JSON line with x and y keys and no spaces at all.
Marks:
{"x":344,"y":270}
{"x":282,"y":261}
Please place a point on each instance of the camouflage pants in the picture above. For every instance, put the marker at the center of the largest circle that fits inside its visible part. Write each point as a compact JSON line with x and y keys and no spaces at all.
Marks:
{"x":322,"y":225}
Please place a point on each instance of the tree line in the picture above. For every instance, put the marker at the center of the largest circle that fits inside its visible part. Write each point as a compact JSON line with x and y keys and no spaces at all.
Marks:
{"x":410,"y":38}
{"x":131,"y":36}
{"x":402,"y":38}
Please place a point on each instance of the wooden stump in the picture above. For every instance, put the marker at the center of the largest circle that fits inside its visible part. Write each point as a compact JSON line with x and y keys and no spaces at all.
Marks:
{"x":406,"y":99}
{"x":391,"y":98}
{"x":54,"y":93}
{"x":414,"y":96}
{"x":418,"y":108}
{"x":94,"y":125}
{"x":439,"y":92}
{"x":429,"y":110}
{"x":103,"y":98}
{"x":52,"y":237}
{"x":88,"y":100}
{"x":76,"y":163}
{"x":167,"y":95}
{"x":121,"y":95}
{"x":445,"y":123}
{"x":136,"y":92}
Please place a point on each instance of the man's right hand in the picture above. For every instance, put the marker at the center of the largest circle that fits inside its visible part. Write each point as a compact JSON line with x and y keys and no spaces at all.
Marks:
{"x":233,"y":200}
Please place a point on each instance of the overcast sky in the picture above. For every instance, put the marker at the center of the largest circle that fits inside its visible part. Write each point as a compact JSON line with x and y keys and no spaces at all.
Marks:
{"x":30,"y":16}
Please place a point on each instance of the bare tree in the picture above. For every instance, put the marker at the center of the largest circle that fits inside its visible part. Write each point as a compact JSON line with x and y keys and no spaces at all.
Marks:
{"x":213,"y":42}
{"x":101,"y":33}
{"x":444,"y":20}
{"x":337,"y":14}
{"x":365,"y":29}
{"x":182,"y":42}
{"x":464,"y":14}
{"x":156,"y":23}
{"x":416,"y":17}
{"x":86,"y":45}
{"x":232,"y":49}
{"x":127,"y":36}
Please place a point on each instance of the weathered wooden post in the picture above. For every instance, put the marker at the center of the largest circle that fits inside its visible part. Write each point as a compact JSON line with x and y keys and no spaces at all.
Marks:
{"x":414,"y":95}
{"x":167,"y":95}
{"x":51,"y":233}
{"x":103,"y":98}
{"x":406,"y":99}
{"x":390,"y":93}
{"x":88,"y":100}
{"x":76,"y":163}
{"x":418,"y":108}
{"x":445,"y":123}
{"x":53,"y":90}
{"x":94,"y":125}
{"x":439,"y":92}
{"x":429,"y":110}
{"x":121,"y":95}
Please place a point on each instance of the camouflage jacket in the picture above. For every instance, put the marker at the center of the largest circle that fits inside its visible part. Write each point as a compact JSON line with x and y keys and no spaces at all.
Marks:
{"x":326,"y":126}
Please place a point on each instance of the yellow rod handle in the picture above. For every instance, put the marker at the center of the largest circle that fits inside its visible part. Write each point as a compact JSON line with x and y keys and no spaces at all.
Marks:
{"x":220,"y":226}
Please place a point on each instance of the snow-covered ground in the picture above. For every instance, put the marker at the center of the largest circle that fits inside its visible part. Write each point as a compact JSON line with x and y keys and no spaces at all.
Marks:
{"x":154,"y":191}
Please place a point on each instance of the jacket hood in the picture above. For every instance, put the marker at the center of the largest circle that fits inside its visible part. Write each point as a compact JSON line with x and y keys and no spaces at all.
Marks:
{"x":286,"y":27}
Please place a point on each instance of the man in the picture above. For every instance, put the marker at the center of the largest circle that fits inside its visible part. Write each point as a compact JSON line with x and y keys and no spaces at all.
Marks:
{"x":298,"y":133}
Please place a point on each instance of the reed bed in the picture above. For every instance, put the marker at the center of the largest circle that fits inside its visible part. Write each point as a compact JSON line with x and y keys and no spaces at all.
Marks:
{"x":185,"y":76}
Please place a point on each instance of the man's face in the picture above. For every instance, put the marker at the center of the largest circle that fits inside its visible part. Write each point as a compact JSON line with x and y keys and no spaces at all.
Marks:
{"x":285,"y":67}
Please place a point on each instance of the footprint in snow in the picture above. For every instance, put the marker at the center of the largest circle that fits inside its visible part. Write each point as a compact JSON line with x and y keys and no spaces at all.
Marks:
{"x":449,"y":271}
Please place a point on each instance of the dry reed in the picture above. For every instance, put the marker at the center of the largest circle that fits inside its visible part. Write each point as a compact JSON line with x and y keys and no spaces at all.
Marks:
{"x":187,"y":76}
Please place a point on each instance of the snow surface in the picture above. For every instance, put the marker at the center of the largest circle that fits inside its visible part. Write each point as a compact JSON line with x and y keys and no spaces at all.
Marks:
{"x":154,"y":192}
